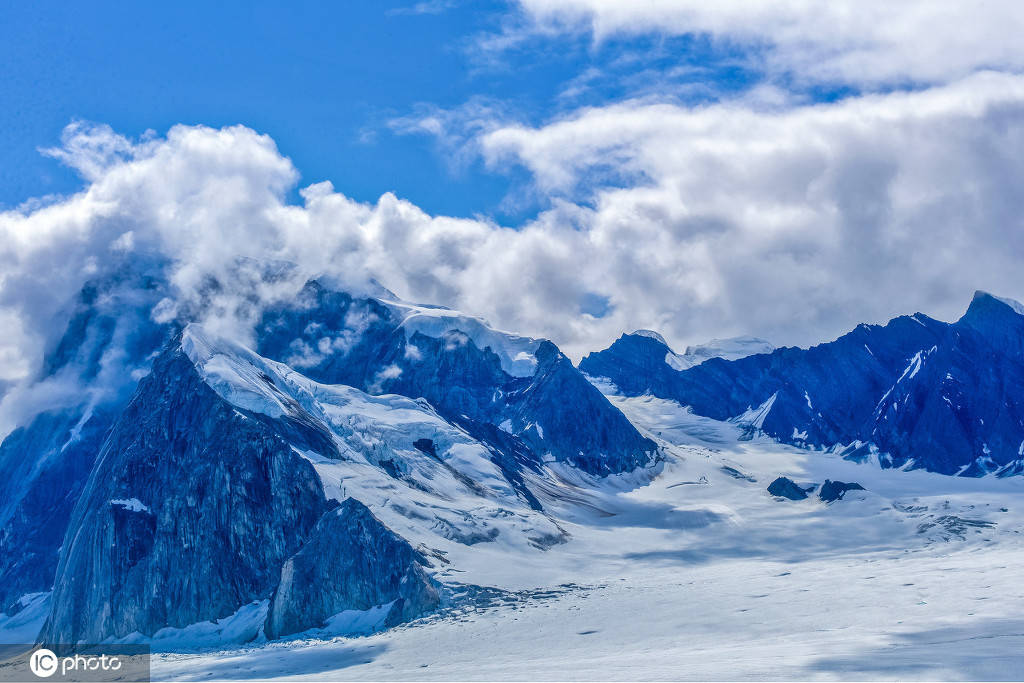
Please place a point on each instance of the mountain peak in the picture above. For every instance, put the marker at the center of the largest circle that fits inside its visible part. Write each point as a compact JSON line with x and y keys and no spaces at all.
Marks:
{"x":982,"y":297}
{"x":1000,"y":320}
{"x":201,"y":345}
{"x":236,"y":373}
{"x":650,"y":334}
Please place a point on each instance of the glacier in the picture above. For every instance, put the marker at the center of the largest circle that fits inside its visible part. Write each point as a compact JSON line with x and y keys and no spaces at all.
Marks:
{"x":699,"y":575}
{"x":366,"y":488}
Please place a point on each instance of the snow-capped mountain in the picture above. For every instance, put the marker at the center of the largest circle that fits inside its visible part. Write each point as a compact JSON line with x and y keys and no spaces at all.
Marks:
{"x":732,"y":348}
{"x":193,"y":496}
{"x":643,"y":359}
{"x":474,"y":376}
{"x":221,"y":480}
{"x":337,"y":469}
{"x":915,"y":392}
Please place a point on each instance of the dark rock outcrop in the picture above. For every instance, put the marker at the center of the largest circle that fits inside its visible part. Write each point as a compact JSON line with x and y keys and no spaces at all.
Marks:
{"x":351,"y":561}
{"x":189,"y":513}
{"x":784,"y":487}
{"x":835,"y":490}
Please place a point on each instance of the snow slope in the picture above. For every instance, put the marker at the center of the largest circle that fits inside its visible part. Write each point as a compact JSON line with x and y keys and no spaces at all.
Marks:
{"x":702,"y":575}
{"x":442,"y":500}
{"x":732,"y":348}
{"x":516,"y":352}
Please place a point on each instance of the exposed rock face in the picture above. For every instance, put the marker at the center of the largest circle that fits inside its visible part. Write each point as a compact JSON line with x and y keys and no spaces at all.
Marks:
{"x":190,"y":512}
{"x":337,"y":339}
{"x":636,"y":364}
{"x":959,"y":407}
{"x":835,"y":490}
{"x":784,"y":487}
{"x":350,"y":562}
{"x":45,"y":463}
{"x":45,"y":466}
{"x":949,"y":397}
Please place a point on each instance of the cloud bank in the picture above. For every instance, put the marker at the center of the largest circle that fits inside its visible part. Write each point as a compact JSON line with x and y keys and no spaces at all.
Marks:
{"x":793,"y":225}
{"x":863,"y":42}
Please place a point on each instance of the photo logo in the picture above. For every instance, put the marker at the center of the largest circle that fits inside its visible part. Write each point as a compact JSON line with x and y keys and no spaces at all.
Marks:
{"x":78,"y":662}
{"x":43,"y":663}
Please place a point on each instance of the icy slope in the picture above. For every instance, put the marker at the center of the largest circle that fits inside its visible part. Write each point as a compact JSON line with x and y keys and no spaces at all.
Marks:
{"x":426,"y":478}
{"x":702,"y":575}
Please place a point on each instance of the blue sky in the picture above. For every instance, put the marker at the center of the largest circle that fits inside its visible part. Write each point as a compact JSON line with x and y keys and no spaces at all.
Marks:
{"x":323,"y":79}
{"x":570,"y":169}
{"x":318,"y":77}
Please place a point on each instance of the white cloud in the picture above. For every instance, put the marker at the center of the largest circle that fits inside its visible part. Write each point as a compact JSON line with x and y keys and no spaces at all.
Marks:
{"x":792,"y":224}
{"x":789,"y":224}
{"x":13,"y":363}
{"x":867,"y":42}
{"x":390,"y":372}
{"x":724,"y":219}
{"x":453,"y":129}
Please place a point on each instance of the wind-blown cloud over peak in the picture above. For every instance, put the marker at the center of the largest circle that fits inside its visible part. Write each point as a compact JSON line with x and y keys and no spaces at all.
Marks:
{"x":197,"y":198}
{"x":205,"y":211}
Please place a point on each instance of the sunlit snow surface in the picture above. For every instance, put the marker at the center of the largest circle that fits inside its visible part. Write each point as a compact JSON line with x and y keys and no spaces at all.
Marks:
{"x":730,"y":349}
{"x":514,"y":352}
{"x":703,"y":575}
{"x":445,"y":503}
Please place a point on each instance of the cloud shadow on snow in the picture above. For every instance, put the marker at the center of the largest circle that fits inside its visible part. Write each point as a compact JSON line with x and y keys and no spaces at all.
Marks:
{"x":288,"y":663}
{"x":978,"y":650}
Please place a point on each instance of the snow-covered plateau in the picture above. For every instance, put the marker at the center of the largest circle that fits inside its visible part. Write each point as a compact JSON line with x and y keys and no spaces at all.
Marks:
{"x":700,"y":574}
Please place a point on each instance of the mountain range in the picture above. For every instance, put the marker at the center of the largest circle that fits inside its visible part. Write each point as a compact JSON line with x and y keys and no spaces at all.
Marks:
{"x":309,"y":473}
{"x":914,"y":393}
